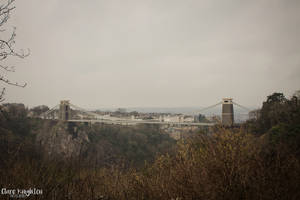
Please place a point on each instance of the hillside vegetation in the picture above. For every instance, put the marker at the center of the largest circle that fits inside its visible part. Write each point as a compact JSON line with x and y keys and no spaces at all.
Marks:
{"x":260,"y":160}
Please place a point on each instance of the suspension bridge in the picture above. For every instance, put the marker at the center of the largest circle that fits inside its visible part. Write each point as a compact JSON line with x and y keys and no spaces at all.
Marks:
{"x":66,"y":111}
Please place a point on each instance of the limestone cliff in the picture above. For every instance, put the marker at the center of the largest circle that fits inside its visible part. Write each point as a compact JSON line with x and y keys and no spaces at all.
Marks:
{"x":62,"y":139}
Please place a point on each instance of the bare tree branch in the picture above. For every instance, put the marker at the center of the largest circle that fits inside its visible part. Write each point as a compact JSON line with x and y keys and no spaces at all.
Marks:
{"x":8,"y":68}
{"x":5,"y":11}
{"x":7,"y":46}
{"x":2,"y":94}
{"x":2,"y":78}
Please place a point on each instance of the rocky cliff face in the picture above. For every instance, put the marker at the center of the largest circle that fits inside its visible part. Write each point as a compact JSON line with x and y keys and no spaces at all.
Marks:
{"x":63,"y":139}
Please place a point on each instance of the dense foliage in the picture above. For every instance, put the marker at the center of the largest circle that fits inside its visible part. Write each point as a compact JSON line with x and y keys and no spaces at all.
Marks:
{"x":279,"y":120}
{"x":108,"y":144}
{"x":258,"y":161}
{"x":133,"y":144}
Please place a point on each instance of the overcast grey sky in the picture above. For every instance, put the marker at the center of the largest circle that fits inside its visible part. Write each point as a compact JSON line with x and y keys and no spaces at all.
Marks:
{"x":106,"y":53}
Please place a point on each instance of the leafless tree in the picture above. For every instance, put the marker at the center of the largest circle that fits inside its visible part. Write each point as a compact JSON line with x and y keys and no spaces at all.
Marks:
{"x":7,"y":46}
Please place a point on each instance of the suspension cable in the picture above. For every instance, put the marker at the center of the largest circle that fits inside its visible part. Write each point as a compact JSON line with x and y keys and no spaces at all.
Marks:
{"x":49,"y":111}
{"x":83,"y":110}
{"x":241,"y":106}
{"x":95,"y":114}
{"x":209,"y":107}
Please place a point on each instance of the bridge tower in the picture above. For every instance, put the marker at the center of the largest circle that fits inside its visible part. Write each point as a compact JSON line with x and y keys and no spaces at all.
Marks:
{"x":227,"y":112}
{"x":64,"y":110}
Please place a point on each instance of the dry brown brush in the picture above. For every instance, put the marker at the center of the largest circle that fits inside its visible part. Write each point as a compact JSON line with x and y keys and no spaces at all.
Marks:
{"x":223,"y":165}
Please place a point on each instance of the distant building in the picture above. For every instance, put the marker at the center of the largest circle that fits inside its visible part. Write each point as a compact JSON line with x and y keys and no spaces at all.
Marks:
{"x":176,"y":118}
{"x":215,"y":119}
{"x":171,"y":118}
{"x":188,"y":119}
{"x":200,"y":118}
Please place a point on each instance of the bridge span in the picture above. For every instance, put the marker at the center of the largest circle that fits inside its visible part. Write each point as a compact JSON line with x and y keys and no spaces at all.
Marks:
{"x":65,"y":108}
{"x":133,"y":122}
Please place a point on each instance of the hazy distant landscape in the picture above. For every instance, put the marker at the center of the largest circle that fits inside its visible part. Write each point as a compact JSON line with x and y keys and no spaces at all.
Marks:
{"x":183,"y":110}
{"x":150,"y":100}
{"x":240,"y":115}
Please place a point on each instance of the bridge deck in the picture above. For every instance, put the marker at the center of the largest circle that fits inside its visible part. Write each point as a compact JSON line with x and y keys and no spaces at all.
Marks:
{"x":141,"y":122}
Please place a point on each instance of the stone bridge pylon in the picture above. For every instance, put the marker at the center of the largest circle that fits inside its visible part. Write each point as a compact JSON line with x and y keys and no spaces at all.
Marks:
{"x":64,"y":110}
